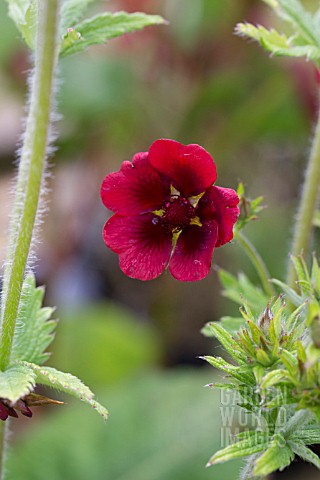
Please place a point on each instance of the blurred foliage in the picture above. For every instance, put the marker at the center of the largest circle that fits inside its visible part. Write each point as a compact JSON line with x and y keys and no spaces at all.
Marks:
{"x":103,"y":343}
{"x":162,"y":427}
{"x":194,"y":81}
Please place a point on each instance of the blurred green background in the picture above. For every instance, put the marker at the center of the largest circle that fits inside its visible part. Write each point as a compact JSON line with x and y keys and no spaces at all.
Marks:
{"x":136,"y":343}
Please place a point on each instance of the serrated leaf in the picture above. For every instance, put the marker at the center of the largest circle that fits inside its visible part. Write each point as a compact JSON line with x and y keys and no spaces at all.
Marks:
{"x":23,"y":13}
{"x":101,"y":28}
{"x":274,"y":458}
{"x":277,"y":43}
{"x":16,"y":382}
{"x":305,"y":453}
{"x":300,"y":418}
{"x":65,"y":382}
{"x":240,"y":288}
{"x":72,"y":11}
{"x":253,"y":444}
{"x":242,"y":374}
{"x":308,"y":434}
{"x":34,"y":330}
{"x":227,"y":341}
{"x":303,"y":21}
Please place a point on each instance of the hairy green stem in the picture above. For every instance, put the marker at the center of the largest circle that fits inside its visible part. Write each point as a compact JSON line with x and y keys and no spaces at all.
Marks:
{"x":31,"y":168}
{"x":3,"y":429}
{"x":257,"y":262}
{"x":308,"y":205}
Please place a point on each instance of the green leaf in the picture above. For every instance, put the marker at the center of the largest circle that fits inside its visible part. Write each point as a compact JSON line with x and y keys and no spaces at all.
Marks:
{"x":277,"y":43}
{"x":23,"y":13}
{"x":242,"y":374}
{"x":249,"y":208}
{"x":302,"y":20}
{"x":72,"y":11}
{"x":97,"y":30}
{"x":293,"y":296}
{"x":227,"y":341}
{"x":65,"y":382}
{"x":240,"y":288}
{"x":16,"y":382}
{"x":299,"y":419}
{"x":276,"y":457}
{"x":305,"y":453}
{"x":230,"y":324}
{"x":253,"y":444}
{"x":34,"y":330}
{"x":308,"y":434}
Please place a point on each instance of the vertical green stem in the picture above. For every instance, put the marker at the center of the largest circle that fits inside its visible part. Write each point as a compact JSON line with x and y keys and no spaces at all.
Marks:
{"x":3,"y":428}
{"x":30,"y":175}
{"x":308,"y":204}
{"x":257,"y":262}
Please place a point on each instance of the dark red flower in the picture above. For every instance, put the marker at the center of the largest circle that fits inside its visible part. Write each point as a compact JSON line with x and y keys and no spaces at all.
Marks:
{"x":167,"y":212}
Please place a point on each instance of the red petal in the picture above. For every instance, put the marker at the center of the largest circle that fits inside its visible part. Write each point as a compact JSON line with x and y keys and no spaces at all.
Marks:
{"x":191,"y":259}
{"x":220,"y":204}
{"x":144,"y":245}
{"x":136,"y":188}
{"x":190,"y":167}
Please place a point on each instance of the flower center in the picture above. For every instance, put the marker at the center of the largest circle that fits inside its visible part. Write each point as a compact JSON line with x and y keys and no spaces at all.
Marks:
{"x":178,"y":213}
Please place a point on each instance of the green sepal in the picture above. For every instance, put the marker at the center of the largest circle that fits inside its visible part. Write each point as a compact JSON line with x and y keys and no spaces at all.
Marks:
{"x":256,"y":333}
{"x":302,"y":355}
{"x":34,"y":329}
{"x":276,"y":324}
{"x":272,"y":378}
{"x":65,"y":382}
{"x":290,"y":362}
{"x":246,"y":342}
{"x":263,"y":358}
{"x":16,"y":382}
{"x":101,"y":28}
